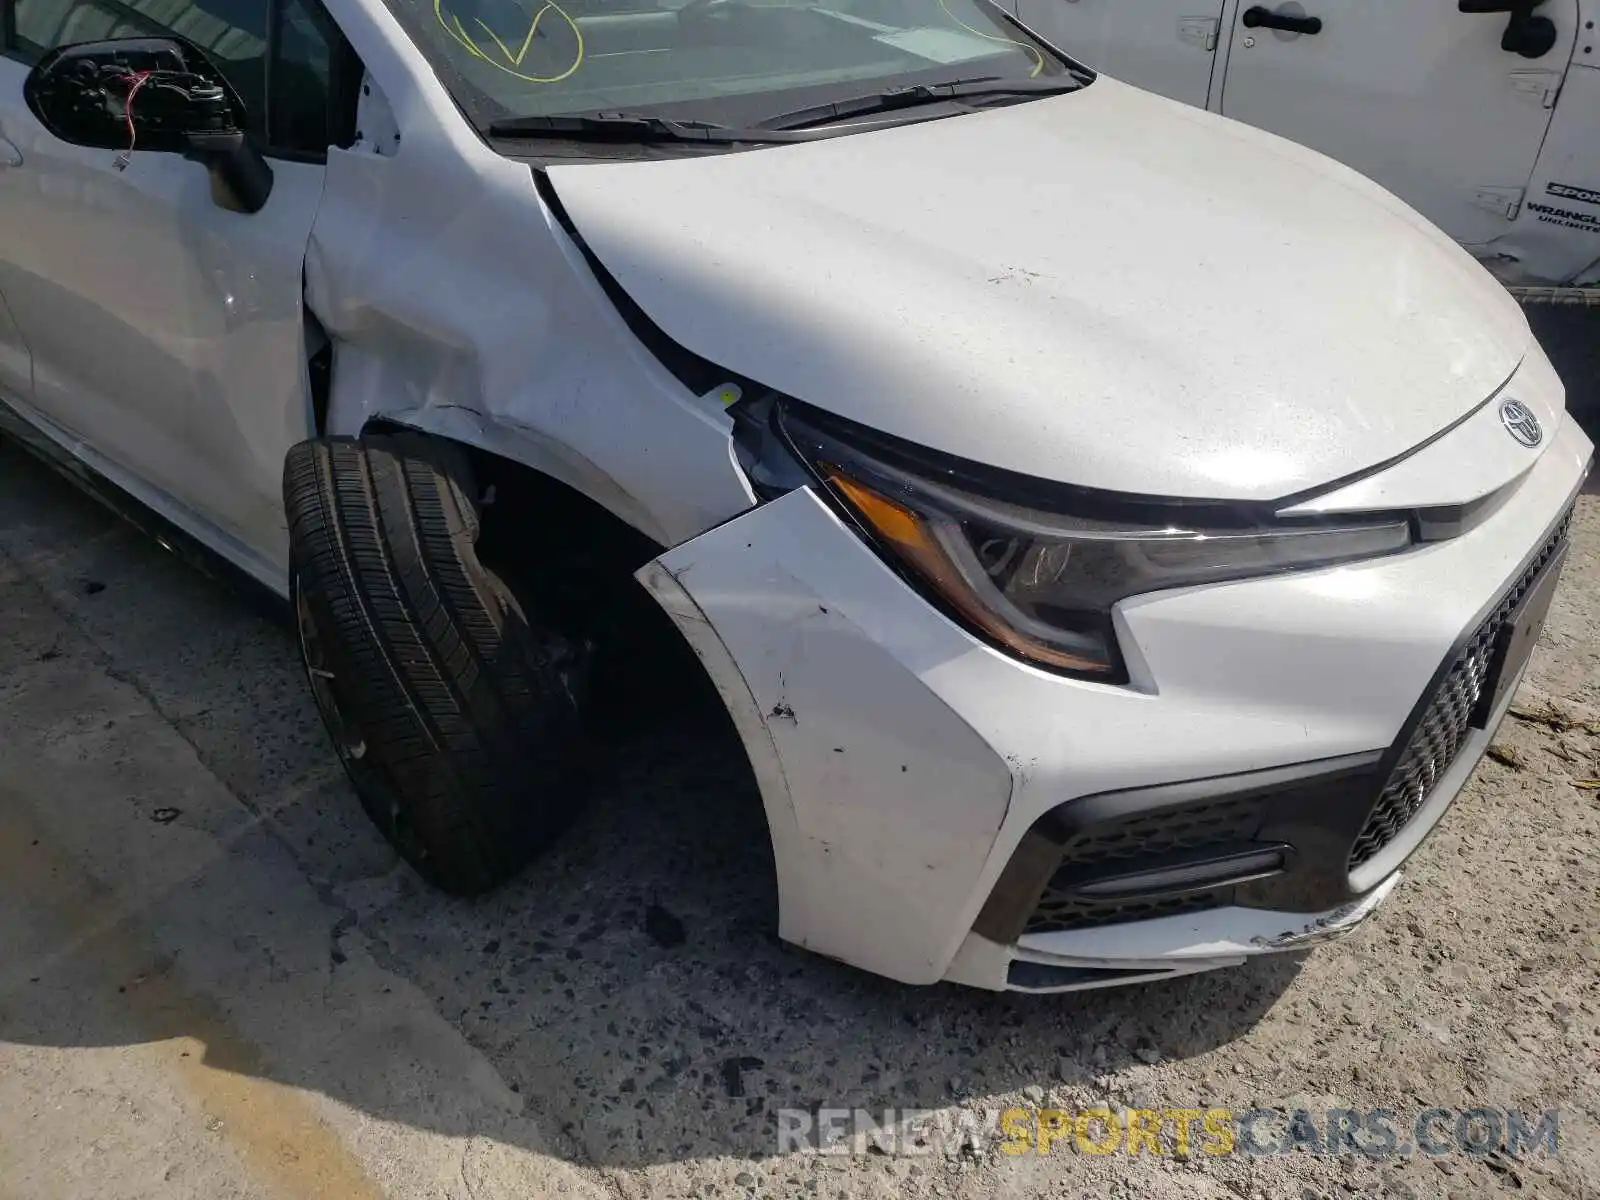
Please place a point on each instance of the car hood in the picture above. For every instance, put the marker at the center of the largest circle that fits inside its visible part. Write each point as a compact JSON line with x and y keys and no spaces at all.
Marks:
{"x":1103,"y":288}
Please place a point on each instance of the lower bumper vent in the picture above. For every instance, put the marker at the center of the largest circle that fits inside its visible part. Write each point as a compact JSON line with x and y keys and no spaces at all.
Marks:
{"x":1137,"y":843}
{"x":1057,"y":913}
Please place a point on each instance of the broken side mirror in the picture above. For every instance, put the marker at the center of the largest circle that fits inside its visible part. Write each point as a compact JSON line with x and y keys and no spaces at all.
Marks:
{"x":156,"y":94}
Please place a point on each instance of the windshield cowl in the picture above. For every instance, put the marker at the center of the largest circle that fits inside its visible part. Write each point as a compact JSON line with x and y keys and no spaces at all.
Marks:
{"x":631,"y":127}
{"x":803,"y":124}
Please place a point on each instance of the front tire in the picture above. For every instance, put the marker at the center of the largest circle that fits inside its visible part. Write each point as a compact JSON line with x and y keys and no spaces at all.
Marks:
{"x":456,"y":716}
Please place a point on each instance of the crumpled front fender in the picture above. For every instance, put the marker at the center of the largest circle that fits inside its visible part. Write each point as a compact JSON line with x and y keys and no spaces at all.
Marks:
{"x":883,"y":803}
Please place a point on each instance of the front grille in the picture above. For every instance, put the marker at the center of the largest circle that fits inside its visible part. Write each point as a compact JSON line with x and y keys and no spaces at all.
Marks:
{"x":1130,"y":844}
{"x":1446,"y":721}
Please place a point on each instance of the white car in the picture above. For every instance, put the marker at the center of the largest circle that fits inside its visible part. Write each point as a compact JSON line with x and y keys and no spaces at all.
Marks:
{"x":1482,"y":114}
{"x":1115,"y":532}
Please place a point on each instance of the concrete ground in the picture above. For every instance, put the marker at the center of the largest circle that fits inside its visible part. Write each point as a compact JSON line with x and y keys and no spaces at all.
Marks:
{"x":216,"y":980}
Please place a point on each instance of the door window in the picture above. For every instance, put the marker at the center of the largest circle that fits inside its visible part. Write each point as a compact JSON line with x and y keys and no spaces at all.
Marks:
{"x":311,"y":97}
{"x":294,"y":93}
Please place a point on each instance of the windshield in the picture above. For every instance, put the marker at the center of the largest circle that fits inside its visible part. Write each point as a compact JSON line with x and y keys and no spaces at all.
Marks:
{"x":727,"y":61}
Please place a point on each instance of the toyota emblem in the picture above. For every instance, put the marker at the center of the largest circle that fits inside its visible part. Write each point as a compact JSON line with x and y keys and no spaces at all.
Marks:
{"x":1520,"y":422}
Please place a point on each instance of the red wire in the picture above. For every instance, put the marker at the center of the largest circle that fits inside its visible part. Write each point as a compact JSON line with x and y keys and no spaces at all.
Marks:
{"x":127,"y":109}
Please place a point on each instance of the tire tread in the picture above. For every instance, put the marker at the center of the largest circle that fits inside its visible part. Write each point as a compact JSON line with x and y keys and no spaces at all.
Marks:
{"x":473,"y":742}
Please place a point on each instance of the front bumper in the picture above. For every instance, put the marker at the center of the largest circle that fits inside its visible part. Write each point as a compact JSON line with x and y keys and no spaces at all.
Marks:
{"x":907,"y":769}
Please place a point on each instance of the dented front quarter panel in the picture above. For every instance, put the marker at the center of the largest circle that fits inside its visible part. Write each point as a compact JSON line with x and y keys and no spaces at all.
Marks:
{"x":457,"y":305}
{"x":883,"y":803}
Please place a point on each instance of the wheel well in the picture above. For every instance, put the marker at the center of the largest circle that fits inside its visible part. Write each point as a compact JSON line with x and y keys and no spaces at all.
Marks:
{"x":319,"y":370}
{"x":649,"y":700}
{"x":570,"y":561}
{"x":532,"y":521}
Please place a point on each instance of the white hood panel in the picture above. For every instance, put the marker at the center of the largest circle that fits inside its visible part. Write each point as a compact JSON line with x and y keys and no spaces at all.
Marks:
{"x":1103,"y":288}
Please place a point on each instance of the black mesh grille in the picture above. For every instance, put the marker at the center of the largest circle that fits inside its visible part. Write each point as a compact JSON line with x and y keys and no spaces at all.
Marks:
{"x":1228,"y":820}
{"x":1146,"y":836}
{"x":1445,"y":723}
{"x":1057,"y":913}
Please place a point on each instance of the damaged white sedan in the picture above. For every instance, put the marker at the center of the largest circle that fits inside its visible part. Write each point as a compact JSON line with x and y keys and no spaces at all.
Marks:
{"x":1114,"y":532}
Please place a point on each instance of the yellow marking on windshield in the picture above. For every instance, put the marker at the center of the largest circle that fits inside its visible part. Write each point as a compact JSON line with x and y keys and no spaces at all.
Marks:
{"x":499,"y":43}
{"x":511,"y":63}
{"x":501,"y":56}
{"x":466,"y":41}
{"x":532,"y":29}
{"x":1038,"y":59}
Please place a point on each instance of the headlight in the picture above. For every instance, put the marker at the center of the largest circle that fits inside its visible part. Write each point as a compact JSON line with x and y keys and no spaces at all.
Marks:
{"x":1035,"y":580}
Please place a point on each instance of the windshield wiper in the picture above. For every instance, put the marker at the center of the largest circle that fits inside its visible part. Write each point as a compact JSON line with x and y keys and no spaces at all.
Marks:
{"x":631,"y":127}
{"x":917,"y":93}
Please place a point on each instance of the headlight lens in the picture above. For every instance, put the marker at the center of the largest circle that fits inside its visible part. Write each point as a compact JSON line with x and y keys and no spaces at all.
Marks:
{"x":1040,"y":583}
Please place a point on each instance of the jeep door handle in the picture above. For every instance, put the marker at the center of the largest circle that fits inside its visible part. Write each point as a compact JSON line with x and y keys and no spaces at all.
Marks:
{"x":10,"y":156}
{"x":1496,"y":6}
{"x":1262,"y":17}
{"x":1527,"y":35}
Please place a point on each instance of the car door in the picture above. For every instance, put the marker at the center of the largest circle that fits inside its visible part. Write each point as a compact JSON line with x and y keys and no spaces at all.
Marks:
{"x":16,"y":364}
{"x":1414,"y":93}
{"x":1166,"y":46}
{"x":166,"y":329}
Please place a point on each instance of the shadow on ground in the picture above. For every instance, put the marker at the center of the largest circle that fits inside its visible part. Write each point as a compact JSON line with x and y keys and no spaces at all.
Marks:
{"x":629,"y":986}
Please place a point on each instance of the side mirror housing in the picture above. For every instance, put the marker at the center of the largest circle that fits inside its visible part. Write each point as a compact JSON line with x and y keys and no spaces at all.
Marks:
{"x":156,"y":94}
